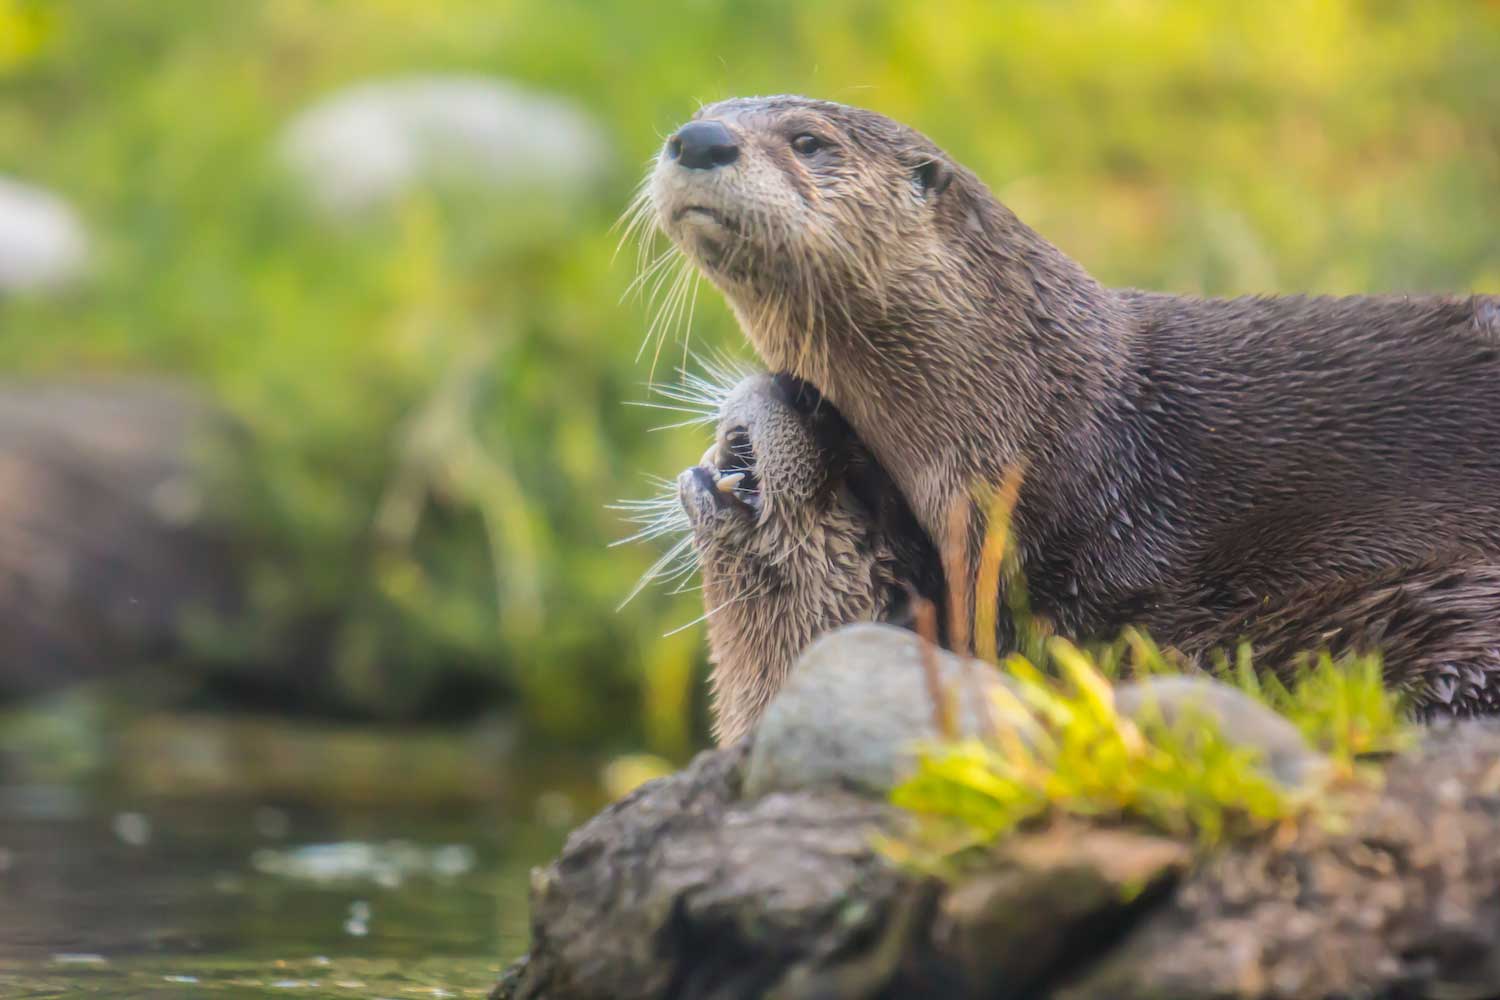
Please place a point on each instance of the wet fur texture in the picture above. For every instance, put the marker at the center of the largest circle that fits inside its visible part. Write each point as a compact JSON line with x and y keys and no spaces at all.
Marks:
{"x":828,"y":543}
{"x":1188,"y":463}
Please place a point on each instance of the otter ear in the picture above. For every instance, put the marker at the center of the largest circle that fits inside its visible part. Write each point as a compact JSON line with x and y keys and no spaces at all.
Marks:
{"x":932,"y":178}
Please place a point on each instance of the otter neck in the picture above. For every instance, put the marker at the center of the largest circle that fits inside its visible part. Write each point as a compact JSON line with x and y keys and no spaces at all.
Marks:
{"x":994,"y":363}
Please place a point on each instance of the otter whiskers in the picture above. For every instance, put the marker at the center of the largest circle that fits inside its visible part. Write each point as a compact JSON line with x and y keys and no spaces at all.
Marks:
{"x":672,"y":312}
{"x":701,"y":396}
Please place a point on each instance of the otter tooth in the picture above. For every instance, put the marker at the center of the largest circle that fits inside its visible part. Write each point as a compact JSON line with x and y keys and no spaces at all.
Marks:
{"x":726,"y":484}
{"x":711,"y":456}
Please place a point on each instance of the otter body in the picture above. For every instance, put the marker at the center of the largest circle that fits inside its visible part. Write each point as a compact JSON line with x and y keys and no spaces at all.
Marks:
{"x":1186,"y":462}
{"x":1255,"y":446}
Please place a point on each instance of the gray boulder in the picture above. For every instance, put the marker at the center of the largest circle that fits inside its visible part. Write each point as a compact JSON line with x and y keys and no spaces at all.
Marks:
{"x":42,"y":242}
{"x":365,"y":146}
{"x":1242,"y":720}
{"x":110,"y":548}
{"x":857,"y":707}
{"x":686,"y":889}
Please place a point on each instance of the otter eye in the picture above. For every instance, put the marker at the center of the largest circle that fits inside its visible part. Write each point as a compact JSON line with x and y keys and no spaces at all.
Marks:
{"x":806,"y":144}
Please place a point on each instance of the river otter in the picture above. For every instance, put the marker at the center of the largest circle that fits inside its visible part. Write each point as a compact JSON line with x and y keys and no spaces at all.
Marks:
{"x":797,"y":530}
{"x":1185,"y":460}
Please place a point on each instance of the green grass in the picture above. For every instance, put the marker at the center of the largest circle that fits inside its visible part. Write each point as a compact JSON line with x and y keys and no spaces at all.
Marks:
{"x":1341,"y":706}
{"x":1060,"y":748}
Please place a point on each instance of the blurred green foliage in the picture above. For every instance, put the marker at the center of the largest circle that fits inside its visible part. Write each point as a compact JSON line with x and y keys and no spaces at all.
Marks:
{"x":436,"y":395}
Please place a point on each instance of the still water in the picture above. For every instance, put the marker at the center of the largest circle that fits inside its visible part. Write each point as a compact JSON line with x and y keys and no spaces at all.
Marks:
{"x":159,"y":881}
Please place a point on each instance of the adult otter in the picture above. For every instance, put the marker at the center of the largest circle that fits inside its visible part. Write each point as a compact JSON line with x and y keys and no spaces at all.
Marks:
{"x":1185,"y":460}
{"x":797,"y":531}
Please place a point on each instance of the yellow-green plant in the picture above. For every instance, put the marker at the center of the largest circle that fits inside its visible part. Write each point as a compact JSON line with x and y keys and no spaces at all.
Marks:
{"x":1342,"y":706}
{"x":1060,"y":747}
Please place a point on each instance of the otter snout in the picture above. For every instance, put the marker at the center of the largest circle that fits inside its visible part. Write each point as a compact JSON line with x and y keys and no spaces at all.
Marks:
{"x":703,"y":145}
{"x":726,"y":479}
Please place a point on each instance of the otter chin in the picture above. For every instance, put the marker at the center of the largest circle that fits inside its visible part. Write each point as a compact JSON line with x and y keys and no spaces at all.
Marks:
{"x":1187,"y":462}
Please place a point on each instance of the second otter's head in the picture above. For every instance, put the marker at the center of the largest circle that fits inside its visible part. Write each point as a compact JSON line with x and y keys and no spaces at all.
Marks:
{"x":797,"y":531}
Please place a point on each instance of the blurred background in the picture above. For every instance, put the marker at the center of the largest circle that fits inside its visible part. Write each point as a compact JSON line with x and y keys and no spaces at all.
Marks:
{"x":315,"y":364}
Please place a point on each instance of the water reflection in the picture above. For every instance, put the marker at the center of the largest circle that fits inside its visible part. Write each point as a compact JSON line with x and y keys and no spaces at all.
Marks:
{"x":106,"y":892}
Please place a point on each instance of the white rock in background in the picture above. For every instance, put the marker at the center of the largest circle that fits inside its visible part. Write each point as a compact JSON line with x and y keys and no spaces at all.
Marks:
{"x":365,"y":145}
{"x":42,"y":241}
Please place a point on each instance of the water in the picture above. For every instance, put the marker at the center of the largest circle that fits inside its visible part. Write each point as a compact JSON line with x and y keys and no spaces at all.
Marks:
{"x":124,"y":888}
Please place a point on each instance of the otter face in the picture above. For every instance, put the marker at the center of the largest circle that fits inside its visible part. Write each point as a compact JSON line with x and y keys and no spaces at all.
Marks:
{"x":767,"y":461}
{"x":797,"y":208}
{"x":796,"y":531}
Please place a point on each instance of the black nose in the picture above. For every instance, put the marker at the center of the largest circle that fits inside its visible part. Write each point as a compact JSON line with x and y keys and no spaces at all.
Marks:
{"x":703,"y":146}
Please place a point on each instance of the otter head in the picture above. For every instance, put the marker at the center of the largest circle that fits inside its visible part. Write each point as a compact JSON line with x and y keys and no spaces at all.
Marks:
{"x":777,"y":456}
{"x":797,"y":531}
{"x":858,"y":256}
{"x":806,"y":213}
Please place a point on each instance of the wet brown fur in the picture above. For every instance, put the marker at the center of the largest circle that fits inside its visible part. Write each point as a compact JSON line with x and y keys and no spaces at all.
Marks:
{"x":1189,"y":462}
{"x":828,"y":543}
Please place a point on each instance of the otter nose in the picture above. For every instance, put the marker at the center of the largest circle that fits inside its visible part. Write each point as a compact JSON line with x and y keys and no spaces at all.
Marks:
{"x":703,"y":146}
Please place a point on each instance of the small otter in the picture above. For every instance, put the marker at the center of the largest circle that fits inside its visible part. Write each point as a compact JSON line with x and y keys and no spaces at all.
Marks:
{"x":797,"y":530}
{"x":1186,"y":461}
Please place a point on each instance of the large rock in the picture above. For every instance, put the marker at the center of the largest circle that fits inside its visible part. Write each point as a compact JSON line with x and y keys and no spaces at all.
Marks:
{"x":758,"y":871}
{"x":365,"y":146}
{"x":685,"y":889}
{"x":856,"y":707}
{"x":42,"y":242}
{"x":681,"y":889}
{"x":108,"y":545}
{"x":1399,"y":898}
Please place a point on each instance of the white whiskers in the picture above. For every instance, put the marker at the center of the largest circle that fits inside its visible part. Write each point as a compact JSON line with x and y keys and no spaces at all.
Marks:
{"x":700,"y":395}
{"x":666,"y":278}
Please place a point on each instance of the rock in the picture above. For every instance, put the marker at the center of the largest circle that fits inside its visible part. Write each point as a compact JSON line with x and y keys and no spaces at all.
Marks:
{"x":1402,"y":898}
{"x":108,"y":546}
{"x":365,"y":146}
{"x":42,"y":242}
{"x":1014,"y":926}
{"x":685,"y":889}
{"x":1240,"y":718}
{"x":854,"y":709}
